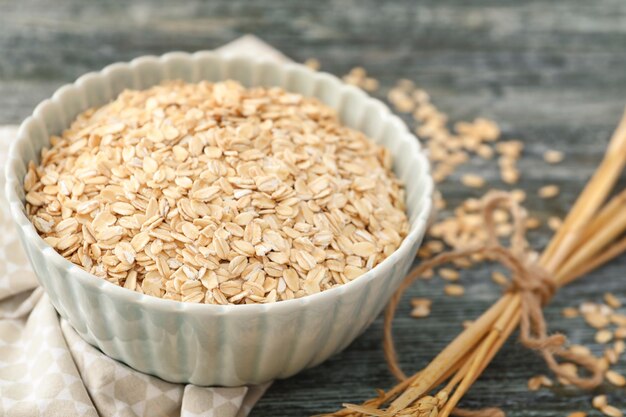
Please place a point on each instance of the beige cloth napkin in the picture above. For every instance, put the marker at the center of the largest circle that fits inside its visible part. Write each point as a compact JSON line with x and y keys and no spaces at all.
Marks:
{"x":47,"y":370}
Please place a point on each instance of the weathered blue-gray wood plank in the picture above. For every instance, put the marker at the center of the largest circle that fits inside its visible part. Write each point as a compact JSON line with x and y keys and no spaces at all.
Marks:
{"x":552,"y":73}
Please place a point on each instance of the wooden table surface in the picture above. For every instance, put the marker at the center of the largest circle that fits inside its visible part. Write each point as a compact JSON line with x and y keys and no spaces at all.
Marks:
{"x":552,"y":73}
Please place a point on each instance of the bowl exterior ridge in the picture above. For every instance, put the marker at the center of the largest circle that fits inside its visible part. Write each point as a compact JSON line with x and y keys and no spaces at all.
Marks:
{"x":212,"y":344}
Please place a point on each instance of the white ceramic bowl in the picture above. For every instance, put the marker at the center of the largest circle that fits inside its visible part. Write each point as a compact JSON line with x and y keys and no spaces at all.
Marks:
{"x":212,"y":344}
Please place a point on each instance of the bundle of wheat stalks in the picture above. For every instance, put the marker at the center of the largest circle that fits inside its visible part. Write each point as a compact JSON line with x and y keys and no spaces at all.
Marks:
{"x":591,"y":235}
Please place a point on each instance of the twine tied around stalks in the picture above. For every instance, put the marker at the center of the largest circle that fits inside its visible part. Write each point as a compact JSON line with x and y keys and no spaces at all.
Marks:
{"x":534,"y":284}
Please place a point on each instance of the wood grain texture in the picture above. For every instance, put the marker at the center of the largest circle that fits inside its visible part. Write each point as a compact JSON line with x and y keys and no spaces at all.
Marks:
{"x":552,"y":73}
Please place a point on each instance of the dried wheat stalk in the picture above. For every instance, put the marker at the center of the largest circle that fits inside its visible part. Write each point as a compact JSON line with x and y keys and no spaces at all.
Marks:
{"x":589,"y":237}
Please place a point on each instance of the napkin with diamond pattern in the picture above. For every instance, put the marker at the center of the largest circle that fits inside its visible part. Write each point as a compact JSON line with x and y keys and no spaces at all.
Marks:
{"x":47,"y":370}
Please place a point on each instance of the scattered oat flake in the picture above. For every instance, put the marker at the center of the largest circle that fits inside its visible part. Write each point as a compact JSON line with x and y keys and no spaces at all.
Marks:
{"x":313,"y":64}
{"x":599,"y":401}
{"x":615,"y":378}
{"x":580,"y":350}
{"x":538,"y":381}
{"x":611,"y":356}
{"x":569,"y":369}
{"x":370,"y":84}
{"x":416,"y":302}
{"x":499,"y":278}
{"x":420,"y":311}
{"x":454,"y":290}
{"x":534,"y":383}
{"x":604,"y":336}
{"x":548,"y":191}
{"x":570,"y":312}
{"x":510,"y":175}
{"x":611,"y":411}
{"x":618,"y":319}
{"x":554,"y":223}
{"x":449,"y":274}
{"x":532,"y":223}
{"x":472,"y":181}
{"x":611,"y":300}
{"x":596,"y":319}
{"x":588,"y":307}
{"x":435,"y":246}
{"x":518,"y":195}
{"x":552,"y":156}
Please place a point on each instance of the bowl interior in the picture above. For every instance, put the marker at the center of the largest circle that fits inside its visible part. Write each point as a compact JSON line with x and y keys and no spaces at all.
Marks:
{"x":356,"y":110}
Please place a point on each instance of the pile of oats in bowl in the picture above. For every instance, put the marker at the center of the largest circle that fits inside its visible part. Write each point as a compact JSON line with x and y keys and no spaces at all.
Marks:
{"x":214,"y":193}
